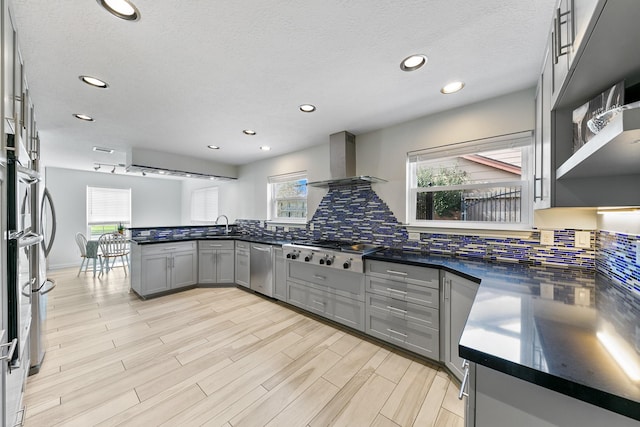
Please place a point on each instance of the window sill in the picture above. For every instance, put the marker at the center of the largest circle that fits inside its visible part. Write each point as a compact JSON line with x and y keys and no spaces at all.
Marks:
{"x":484,"y":230}
{"x":294,"y":224}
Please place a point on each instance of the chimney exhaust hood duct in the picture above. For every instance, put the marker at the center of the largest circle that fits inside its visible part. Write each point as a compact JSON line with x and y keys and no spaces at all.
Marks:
{"x":342,"y":163}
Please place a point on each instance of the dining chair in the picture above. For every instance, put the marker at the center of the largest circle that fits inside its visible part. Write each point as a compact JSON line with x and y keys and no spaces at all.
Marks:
{"x":88,"y":251}
{"x":112,"y":246}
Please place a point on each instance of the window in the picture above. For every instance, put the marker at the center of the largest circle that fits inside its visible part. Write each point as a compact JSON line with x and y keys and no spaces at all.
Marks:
{"x":477,"y":182}
{"x":288,"y":197}
{"x":204,"y":205}
{"x":106,"y":209}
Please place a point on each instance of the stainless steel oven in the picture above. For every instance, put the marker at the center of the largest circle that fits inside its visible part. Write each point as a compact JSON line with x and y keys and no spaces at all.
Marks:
{"x":22,"y":243}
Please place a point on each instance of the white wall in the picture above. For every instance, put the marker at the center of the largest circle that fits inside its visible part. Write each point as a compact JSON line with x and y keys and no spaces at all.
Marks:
{"x":246,"y":198}
{"x":154,"y":202}
{"x":383,"y":153}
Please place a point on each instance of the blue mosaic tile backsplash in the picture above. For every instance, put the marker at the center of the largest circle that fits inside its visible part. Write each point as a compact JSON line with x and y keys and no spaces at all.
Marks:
{"x":357,"y":213}
{"x":617,"y":258}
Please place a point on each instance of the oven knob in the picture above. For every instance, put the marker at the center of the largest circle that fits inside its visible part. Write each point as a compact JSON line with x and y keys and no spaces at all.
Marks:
{"x":308,"y":257}
{"x":321,"y":261}
{"x":347,"y":264}
{"x":294,"y":256}
{"x":288,"y":255}
{"x":329,"y":261}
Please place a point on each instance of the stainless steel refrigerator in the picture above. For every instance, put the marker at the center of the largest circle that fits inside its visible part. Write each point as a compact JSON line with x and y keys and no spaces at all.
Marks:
{"x":43,"y":217}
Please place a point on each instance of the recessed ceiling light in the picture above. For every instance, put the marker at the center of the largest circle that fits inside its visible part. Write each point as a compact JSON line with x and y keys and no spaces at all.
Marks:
{"x":265,"y":148}
{"x":188,"y":175}
{"x":83,"y":117}
{"x":212,"y":178}
{"x":452,"y":87}
{"x":123,"y":9}
{"x":103,"y":150}
{"x":213,"y":147}
{"x":249,"y":132}
{"x":413,"y":62}
{"x":307,"y":108}
{"x":161,"y":172}
{"x":92,"y":81}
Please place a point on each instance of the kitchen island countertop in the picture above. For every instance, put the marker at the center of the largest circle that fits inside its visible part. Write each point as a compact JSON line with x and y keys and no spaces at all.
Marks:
{"x":554,"y":327}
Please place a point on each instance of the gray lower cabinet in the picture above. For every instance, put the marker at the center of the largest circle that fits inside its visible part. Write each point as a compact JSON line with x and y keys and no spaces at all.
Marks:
{"x":242,"y":264}
{"x":402,"y":306}
{"x":335,"y":294}
{"x":497,"y":399}
{"x":457,"y":298}
{"x":279,"y":275}
{"x":215,"y":261}
{"x":162,"y":267}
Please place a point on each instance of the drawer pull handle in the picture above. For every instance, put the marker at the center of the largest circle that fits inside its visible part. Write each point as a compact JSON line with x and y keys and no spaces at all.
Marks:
{"x":399,"y":273}
{"x":318,"y":302}
{"x":465,"y":380}
{"x":396,"y":290}
{"x":396,"y":332}
{"x":215,"y":246}
{"x":317,"y":276}
{"x":169,"y":249}
{"x":397,"y":310}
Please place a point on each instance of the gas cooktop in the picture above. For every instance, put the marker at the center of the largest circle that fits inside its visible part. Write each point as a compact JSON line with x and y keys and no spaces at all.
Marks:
{"x":339,"y":245}
{"x":330,"y":253}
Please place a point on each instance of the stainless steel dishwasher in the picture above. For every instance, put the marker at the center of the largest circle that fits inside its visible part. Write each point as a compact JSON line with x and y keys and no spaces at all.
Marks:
{"x":261,"y":262}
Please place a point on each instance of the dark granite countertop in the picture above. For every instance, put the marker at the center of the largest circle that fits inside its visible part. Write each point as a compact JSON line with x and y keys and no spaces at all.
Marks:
{"x":231,"y":236}
{"x":553,"y":327}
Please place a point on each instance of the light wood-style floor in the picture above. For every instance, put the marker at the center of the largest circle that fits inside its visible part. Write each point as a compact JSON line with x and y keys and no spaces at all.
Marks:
{"x":219,"y":357}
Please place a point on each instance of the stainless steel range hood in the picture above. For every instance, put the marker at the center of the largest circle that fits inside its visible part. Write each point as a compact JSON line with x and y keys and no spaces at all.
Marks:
{"x":342,"y":163}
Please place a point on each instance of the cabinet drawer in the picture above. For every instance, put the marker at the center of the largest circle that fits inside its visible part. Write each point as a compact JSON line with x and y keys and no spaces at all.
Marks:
{"x":344,"y":283}
{"x":404,"y":273}
{"x":343,"y":310}
{"x":216,"y":245}
{"x":391,"y":308}
{"x":405,"y":333}
{"x":242,"y":245}
{"x":163,"y":248}
{"x":410,"y":292}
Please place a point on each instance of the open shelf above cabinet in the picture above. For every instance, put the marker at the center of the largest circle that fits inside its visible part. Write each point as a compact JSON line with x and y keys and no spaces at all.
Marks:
{"x":615,"y":150}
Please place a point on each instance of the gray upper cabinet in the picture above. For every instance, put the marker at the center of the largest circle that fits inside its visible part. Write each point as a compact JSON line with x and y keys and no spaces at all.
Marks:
{"x":592,"y":46}
{"x":544,"y":173}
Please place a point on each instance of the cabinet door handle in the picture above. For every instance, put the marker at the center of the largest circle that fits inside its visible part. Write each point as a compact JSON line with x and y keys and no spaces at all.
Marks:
{"x":397,"y":310}
{"x":465,"y":380}
{"x":317,"y":276}
{"x":397,"y":290}
{"x":396,"y":332}
{"x":558,"y":22}
{"x":399,"y":273}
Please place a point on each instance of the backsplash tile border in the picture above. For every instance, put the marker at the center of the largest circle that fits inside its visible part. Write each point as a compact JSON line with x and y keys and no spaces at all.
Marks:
{"x":617,"y":258}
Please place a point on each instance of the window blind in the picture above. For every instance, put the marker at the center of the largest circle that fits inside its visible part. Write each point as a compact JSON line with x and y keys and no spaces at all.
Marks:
{"x":204,"y":204}
{"x":108,"y":205}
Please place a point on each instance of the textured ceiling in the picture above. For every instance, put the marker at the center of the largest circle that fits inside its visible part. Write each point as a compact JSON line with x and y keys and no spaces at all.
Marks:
{"x":198,"y":72}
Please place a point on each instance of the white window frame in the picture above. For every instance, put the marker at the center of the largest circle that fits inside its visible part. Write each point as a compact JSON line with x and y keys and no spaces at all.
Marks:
{"x":123,"y":217}
{"x":272,"y":209}
{"x":522,"y":139}
{"x":204,"y":205}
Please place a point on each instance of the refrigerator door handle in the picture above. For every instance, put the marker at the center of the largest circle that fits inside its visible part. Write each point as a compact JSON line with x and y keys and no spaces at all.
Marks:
{"x":46,"y":246}
{"x":46,"y":289}
{"x":12,"y":348}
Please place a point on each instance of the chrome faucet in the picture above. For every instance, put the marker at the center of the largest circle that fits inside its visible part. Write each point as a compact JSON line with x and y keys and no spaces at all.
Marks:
{"x":226,"y":225}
